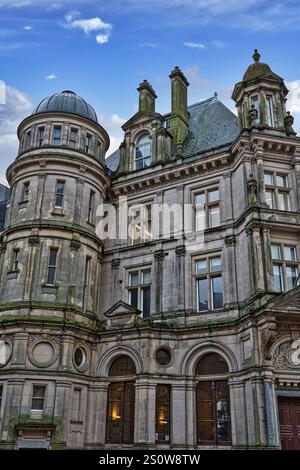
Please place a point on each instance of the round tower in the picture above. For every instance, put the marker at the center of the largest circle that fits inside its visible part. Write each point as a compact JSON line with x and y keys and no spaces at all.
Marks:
{"x":50,"y":263}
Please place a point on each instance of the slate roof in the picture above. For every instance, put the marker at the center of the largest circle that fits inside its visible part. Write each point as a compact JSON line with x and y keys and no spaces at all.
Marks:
{"x":67,"y":102}
{"x":212,"y":125}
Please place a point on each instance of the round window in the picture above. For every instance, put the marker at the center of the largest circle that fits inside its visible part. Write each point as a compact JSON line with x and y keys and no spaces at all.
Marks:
{"x":5,"y":353}
{"x":163,"y":357}
{"x":79,"y":357}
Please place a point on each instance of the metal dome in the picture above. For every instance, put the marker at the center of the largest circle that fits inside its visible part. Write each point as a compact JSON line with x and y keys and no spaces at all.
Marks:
{"x":67,"y":102}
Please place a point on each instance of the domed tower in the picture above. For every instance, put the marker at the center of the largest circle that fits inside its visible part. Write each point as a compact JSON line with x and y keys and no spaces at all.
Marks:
{"x":50,"y":256}
{"x":261,"y":99}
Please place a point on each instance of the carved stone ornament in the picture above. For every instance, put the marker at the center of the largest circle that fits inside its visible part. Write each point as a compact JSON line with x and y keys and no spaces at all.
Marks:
{"x":288,"y":124}
{"x":253,"y":116}
{"x":287,"y":355}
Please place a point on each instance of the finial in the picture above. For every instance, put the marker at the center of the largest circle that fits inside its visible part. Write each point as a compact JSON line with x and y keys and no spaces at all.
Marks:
{"x":215,"y":94}
{"x":256,"y":55}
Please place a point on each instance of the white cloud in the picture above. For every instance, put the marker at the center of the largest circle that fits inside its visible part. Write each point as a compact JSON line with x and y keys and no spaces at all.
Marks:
{"x":293,"y":102}
{"x":112,"y":124}
{"x":28,"y":28}
{"x":194,"y":45}
{"x":293,"y":99}
{"x":52,"y":76}
{"x":18,"y":106}
{"x":89,"y":26}
{"x":102,"y":38}
{"x":219,"y":44}
{"x":152,"y":45}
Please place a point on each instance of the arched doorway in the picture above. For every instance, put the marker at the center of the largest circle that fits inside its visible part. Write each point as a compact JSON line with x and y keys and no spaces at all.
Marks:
{"x":213,"y":401}
{"x":121,"y":398}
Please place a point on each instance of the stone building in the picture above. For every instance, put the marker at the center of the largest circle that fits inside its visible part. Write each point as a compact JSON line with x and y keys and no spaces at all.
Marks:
{"x":188,"y":339}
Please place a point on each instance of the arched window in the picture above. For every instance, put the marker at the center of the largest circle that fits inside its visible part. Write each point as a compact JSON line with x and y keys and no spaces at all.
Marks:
{"x":213,"y":401}
{"x":143,"y":152}
{"x":121,"y":398}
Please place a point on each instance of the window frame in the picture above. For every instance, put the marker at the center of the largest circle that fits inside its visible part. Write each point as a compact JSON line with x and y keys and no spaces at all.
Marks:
{"x":284,"y":263}
{"x":15,"y":259}
{"x":276,"y":190}
{"x":25,"y":191}
{"x":54,"y":138}
{"x":41,"y":140}
{"x":91,"y":207}
{"x":52,"y":267}
{"x":88,"y":143}
{"x":73,"y":137}
{"x":206,"y":208}
{"x":41,"y":410}
{"x":139,"y":287}
{"x":142,"y":158}
{"x":209,"y":275}
{"x":59,"y":194}
{"x":86,"y":283}
{"x":145,"y":223}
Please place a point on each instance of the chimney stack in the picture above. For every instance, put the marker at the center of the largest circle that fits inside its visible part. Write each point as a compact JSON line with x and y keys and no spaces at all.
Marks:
{"x":147,"y":97}
{"x":179,"y":120}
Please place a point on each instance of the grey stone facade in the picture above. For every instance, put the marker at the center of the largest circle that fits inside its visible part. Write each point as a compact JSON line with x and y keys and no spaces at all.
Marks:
{"x":87,"y":307}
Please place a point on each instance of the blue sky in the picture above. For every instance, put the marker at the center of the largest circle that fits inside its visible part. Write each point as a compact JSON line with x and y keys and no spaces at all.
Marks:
{"x":103,"y":49}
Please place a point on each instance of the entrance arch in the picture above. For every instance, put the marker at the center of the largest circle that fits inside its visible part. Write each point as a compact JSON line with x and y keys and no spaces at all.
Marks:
{"x":121,"y":401}
{"x":213,"y":401}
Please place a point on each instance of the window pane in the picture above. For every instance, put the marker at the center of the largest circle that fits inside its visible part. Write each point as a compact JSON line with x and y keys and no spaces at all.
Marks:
{"x":51,"y":276}
{"x":277,"y":273}
{"x":200,"y":220}
{"x":217,"y":292}
{"x":276,"y":253}
{"x":268,"y":177}
{"x":281,"y":180}
{"x":134,"y":279}
{"x":146,"y":276}
{"x":214,"y":217}
{"x":162,"y":413}
{"x":283,"y":201}
{"x":52,"y":257}
{"x":289,"y":253}
{"x":213,"y":195}
{"x":215,"y":264}
{"x":133,"y":298}
{"x":201,"y":267}
{"x":270,"y":199}
{"x":223,"y":421}
{"x":291,"y":276}
{"x":200,"y":199}
{"x":146,"y":301}
{"x":202,"y":287}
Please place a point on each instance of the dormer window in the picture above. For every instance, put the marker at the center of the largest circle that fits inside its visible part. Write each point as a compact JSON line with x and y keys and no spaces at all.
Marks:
{"x":143,"y":152}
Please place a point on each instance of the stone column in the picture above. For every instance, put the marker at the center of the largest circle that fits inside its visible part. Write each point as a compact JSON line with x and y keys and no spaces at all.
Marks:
{"x":271,"y":412}
{"x":19,"y":350}
{"x":238,"y":413}
{"x":227,"y":200}
{"x":261,"y":195}
{"x":178,"y":416}
{"x":96,"y":416}
{"x":190,"y":422}
{"x":268,"y":258}
{"x":14,"y":392}
{"x":96,"y":305}
{"x":259,"y":415}
{"x":62,"y":410}
{"x":144,"y":422}
{"x":154,"y":146}
{"x":33,"y":241}
{"x":256,"y":268}
{"x":230,"y":281}
{"x":78,"y":200}
{"x":67,"y":343}
{"x":74,"y":255}
{"x":40,"y":196}
{"x":116,"y":292}
{"x":158,"y":279}
{"x":179,"y":274}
